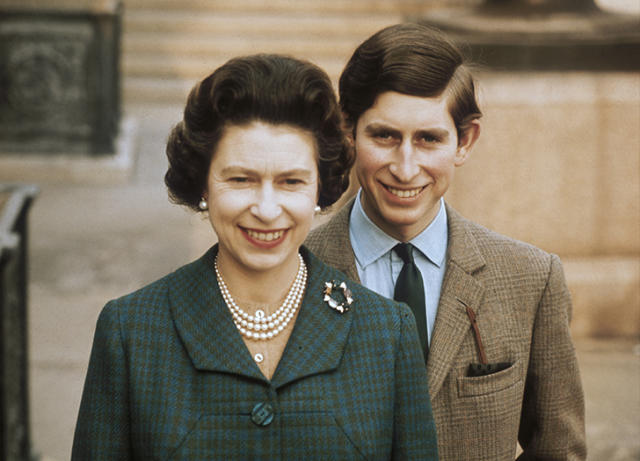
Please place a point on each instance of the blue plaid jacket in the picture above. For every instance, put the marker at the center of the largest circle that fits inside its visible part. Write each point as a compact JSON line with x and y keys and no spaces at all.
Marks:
{"x":170,"y":378}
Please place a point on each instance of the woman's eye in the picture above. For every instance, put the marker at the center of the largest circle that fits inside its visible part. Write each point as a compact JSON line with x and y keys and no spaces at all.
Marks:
{"x":239,"y":179}
{"x":293,"y":181}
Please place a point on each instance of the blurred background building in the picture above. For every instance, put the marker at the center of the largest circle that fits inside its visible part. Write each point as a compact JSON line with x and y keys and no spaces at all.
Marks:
{"x":557,"y":165}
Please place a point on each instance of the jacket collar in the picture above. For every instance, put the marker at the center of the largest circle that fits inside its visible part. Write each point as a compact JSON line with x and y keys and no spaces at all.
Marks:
{"x":337,"y":229}
{"x":213,"y":342}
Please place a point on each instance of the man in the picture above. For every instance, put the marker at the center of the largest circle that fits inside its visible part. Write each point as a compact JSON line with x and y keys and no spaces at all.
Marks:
{"x":493,"y":312}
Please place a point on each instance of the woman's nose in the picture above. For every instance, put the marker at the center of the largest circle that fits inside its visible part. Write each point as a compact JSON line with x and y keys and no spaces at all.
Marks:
{"x":267,"y":207}
{"x":404,"y":166}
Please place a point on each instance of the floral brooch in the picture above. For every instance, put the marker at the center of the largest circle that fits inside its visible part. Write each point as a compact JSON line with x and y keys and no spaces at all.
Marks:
{"x":329,"y":288}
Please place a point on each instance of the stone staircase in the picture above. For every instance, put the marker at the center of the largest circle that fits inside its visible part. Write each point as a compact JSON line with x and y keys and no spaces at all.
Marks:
{"x":170,"y":44}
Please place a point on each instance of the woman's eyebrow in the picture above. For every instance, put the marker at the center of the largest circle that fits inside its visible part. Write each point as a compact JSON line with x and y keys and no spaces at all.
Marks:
{"x":296,"y":172}
{"x":234,"y":169}
{"x":237,"y":169}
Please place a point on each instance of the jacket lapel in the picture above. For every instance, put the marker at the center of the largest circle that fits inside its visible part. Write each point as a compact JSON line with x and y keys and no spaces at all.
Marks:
{"x":213,"y":343}
{"x":320,"y":334}
{"x":204,"y":324}
{"x":337,"y":250}
{"x":459,"y":289}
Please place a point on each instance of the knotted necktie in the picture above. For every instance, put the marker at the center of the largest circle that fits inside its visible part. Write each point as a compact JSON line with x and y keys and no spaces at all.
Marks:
{"x":410,"y":289}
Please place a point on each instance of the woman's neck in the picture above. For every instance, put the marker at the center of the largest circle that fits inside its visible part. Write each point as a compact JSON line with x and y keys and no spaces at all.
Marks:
{"x":257,"y":286}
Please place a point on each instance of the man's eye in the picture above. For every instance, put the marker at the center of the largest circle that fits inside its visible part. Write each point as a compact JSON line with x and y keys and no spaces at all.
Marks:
{"x":384,"y":135}
{"x":293,"y":181}
{"x":239,"y":179}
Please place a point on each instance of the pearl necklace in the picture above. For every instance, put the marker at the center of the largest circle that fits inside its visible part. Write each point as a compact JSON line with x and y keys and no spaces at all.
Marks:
{"x":260,"y":327}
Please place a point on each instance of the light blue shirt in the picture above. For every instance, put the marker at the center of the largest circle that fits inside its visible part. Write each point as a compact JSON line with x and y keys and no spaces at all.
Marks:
{"x":378,"y":266}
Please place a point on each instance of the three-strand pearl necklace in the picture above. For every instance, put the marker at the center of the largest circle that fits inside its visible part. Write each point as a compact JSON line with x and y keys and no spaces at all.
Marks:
{"x":259,"y":326}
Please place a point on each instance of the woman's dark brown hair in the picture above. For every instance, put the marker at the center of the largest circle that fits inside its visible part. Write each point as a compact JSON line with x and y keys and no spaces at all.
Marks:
{"x":411,"y":59}
{"x":269,"y":88}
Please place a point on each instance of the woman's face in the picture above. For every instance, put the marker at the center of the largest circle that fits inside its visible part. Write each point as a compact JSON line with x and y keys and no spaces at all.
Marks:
{"x":262,"y":192}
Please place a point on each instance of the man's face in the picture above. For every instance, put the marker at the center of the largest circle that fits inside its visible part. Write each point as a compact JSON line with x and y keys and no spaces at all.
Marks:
{"x":406,"y":151}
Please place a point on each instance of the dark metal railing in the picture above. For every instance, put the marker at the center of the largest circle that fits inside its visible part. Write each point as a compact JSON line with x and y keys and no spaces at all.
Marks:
{"x":15,"y":444}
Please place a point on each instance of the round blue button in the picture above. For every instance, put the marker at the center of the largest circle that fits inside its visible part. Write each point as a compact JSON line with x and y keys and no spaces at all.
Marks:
{"x":262,"y":414}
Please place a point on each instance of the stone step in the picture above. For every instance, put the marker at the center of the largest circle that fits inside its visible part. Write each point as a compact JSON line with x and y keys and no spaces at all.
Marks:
{"x":250,"y":24}
{"x":168,"y":45}
{"x":153,"y":80}
{"x":195,"y":67}
{"x":156,"y":90}
{"x":281,"y":6}
{"x":158,"y":55}
{"x":135,"y":44}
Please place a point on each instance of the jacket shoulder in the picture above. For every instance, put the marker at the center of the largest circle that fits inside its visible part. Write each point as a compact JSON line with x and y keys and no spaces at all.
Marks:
{"x":496,"y":248}
{"x":154,"y":297}
{"x":316,"y":237}
{"x":331,"y":236}
{"x":320,"y":241}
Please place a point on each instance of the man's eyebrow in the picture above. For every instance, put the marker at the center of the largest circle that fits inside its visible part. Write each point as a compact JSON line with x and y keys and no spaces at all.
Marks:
{"x":373,"y":127}
{"x":439,"y":133}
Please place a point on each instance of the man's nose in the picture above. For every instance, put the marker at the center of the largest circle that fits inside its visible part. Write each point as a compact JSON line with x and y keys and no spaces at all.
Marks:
{"x":404,"y":166}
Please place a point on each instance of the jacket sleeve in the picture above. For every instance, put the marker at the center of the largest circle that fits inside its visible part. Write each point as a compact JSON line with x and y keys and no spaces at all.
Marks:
{"x":552,"y":420}
{"x":102,"y":429}
{"x":414,"y":430}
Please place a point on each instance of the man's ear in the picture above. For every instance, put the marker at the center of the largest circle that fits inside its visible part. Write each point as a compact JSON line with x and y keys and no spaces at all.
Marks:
{"x":349,"y":129}
{"x":351,"y":137}
{"x":466,"y":142}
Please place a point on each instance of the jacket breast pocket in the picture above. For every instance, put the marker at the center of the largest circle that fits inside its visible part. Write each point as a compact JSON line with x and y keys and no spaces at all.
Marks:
{"x":469,"y":386}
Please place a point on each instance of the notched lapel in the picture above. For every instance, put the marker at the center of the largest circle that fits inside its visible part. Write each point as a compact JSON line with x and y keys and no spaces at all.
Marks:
{"x":460,"y":288}
{"x":452,"y":323}
{"x":320,"y":334}
{"x":203,"y":323}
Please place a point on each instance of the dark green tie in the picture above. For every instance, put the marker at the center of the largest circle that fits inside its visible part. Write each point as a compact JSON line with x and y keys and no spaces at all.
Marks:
{"x":410,"y":289}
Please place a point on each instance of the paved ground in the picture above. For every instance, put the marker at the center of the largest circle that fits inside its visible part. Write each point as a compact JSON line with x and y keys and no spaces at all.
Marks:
{"x":92,"y":243}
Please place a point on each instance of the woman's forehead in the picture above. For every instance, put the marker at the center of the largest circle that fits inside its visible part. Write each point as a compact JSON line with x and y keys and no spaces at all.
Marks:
{"x":259,"y":145}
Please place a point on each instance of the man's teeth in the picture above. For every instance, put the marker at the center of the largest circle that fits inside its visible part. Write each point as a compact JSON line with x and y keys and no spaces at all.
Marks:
{"x":404,"y":193}
{"x":265,"y":236}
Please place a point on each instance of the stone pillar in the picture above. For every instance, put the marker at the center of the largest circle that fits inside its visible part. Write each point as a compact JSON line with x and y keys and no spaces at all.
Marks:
{"x":59,"y":76}
{"x":558,"y":161}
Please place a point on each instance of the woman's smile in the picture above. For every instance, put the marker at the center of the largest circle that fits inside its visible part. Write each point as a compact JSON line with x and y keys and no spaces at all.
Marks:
{"x":264,"y":238}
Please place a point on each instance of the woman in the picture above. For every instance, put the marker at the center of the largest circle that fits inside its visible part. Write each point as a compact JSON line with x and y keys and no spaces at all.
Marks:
{"x":257,"y":350}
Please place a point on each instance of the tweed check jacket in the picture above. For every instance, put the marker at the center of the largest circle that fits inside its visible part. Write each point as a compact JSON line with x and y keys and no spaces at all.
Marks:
{"x":170,"y":378}
{"x":522,"y":305}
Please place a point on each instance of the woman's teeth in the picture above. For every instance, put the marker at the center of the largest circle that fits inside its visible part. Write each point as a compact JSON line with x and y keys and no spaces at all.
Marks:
{"x":265,"y":236}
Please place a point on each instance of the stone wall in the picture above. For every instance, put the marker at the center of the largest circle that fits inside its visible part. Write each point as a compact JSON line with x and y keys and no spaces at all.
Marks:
{"x":558,"y":165}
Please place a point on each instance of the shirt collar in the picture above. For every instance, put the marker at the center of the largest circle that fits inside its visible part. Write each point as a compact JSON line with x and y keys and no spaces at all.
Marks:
{"x":373,"y":243}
